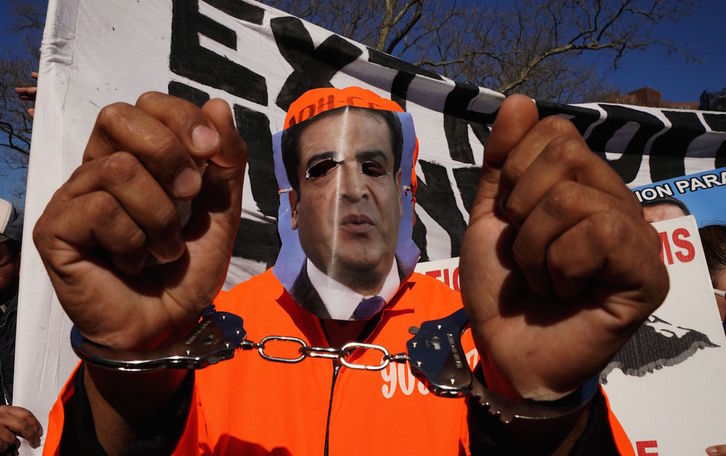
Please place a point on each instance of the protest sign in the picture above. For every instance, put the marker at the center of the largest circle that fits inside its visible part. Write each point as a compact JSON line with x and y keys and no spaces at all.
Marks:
{"x":665,"y":385}
{"x":260,"y":59}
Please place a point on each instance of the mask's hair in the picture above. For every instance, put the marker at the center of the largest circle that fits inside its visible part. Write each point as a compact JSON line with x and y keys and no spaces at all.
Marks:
{"x":290,"y":143}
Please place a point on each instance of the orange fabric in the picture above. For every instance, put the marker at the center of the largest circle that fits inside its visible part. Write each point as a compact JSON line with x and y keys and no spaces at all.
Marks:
{"x":316,"y":101}
{"x":51,"y":445}
{"x":622,"y":441}
{"x":250,"y":406}
{"x":255,"y":407}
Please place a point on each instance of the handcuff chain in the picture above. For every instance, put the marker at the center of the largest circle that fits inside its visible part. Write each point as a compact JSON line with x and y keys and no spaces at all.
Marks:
{"x":341,"y":355}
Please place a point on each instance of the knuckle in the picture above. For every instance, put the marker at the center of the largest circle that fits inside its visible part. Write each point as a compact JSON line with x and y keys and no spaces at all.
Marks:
{"x":43,"y":226}
{"x":512,"y":171}
{"x":39,"y":234}
{"x":148,"y":98}
{"x":119,"y":168}
{"x":607,"y":230}
{"x":565,"y":151}
{"x":562,"y":197}
{"x":103,"y":207}
{"x":515,"y":209}
{"x":27,"y":420}
{"x":164,"y":147}
{"x":113,"y":113}
{"x":559,"y":126}
{"x":40,"y":231}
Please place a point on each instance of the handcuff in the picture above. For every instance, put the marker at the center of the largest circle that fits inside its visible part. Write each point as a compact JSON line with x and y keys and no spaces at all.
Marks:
{"x":435,"y":355}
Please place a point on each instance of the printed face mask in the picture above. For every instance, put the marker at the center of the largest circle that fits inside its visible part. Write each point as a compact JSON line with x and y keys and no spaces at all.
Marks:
{"x":345,"y":217}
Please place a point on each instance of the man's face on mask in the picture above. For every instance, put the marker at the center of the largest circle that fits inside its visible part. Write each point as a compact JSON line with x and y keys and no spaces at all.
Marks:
{"x":662,"y":211}
{"x":349,"y":208}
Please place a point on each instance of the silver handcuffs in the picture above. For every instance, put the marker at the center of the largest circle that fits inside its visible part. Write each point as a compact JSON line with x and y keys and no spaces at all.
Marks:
{"x":435,"y":355}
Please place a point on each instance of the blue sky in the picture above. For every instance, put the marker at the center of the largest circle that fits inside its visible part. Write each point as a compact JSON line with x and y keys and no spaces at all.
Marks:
{"x":703,"y":33}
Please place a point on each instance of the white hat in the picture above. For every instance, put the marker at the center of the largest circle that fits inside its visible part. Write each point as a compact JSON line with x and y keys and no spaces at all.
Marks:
{"x":11,"y":223}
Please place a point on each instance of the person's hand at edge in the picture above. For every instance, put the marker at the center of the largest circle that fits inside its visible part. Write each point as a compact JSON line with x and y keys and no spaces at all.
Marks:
{"x":28,"y":93}
{"x":18,"y":421}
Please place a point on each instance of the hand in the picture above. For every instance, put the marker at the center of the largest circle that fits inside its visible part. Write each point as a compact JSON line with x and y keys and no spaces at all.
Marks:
{"x":716,"y":450}
{"x":558,"y":266}
{"x":17,"y":421}
{"x":28,"y":93}
{"x":118,"y":209}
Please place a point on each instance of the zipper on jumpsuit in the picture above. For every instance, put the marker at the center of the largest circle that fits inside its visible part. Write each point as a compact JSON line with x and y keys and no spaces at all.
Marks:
{"x":336,"y":369}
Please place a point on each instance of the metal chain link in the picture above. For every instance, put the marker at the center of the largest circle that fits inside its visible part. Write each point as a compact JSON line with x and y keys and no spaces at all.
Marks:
{"x":341,"y":355}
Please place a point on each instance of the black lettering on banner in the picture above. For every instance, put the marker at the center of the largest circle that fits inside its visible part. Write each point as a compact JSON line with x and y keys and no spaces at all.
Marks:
{"x":717,"y":122}
{"x":628,"y":164}
{"x":189,"y":59}
{"x":581,"y":117}
{"x":399,"y":88}
{"x":240,"y":10}
{"x":419,"y":238}
{"x":254,"y":127}
{"x":721,"y":156}
{"x":667,"y":155}
{"x":181,"y":90}
{"x":257,"y":241}
{"x":457,"y":118}
{"x":312,"y":67}
{"x":405,"y":75}
{"x":467,"y":180}
{"x":436,"y":197}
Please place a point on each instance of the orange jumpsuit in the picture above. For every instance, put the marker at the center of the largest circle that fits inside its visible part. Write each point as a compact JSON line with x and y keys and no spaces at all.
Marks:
{"x":251,"y":406}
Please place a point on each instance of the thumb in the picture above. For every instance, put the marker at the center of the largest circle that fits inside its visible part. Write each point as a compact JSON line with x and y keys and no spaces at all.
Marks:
{"x":517,"y":115}
{"x":233,"y":153}
{"x":224,"y":175}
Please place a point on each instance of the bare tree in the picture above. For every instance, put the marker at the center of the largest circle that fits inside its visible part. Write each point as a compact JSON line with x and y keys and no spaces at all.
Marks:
{"x":546,"y":48}
{"x":15,"y":122}
{"x":27,"y":18}
{"x":16,"y":65}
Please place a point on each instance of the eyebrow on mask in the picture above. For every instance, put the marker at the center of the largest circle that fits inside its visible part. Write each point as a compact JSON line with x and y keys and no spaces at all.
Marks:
{"x":319,"y":157}
{"x":375,"y":154}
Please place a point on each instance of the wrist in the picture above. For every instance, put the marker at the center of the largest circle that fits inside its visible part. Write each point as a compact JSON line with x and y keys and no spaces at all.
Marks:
{"x":499,"y":384}
{"x":525,"y":424}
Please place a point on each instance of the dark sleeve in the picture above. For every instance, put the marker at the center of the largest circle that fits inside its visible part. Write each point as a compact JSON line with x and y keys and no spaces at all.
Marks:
{"x":488,"y":435}
{"x":79,"y":432}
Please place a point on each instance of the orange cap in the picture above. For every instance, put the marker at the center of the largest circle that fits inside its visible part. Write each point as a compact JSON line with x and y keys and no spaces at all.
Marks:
{"x":315,"y":101}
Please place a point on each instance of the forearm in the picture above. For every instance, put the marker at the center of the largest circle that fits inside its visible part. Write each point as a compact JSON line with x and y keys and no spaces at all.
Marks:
{"x":127,"y":407}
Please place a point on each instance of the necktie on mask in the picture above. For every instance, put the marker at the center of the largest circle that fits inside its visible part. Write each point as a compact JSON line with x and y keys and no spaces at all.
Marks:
{"x":369,"y":307}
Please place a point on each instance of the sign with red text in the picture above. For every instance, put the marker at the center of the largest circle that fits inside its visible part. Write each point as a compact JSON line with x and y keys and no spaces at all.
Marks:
{"x":666,"y":384}
{"x":259,"y":60}
{"x":446,"y":271}
{"x":702,"y":195}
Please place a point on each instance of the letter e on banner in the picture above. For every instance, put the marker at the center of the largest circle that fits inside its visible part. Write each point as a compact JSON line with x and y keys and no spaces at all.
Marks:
{"x":643,"y":446}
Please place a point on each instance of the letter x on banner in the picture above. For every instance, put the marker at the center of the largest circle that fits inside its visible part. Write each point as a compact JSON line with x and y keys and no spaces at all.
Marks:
{"x":260,"y":59}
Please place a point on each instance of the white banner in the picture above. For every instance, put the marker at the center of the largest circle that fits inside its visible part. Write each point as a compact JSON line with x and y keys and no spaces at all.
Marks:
{"x":260,"y":60}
